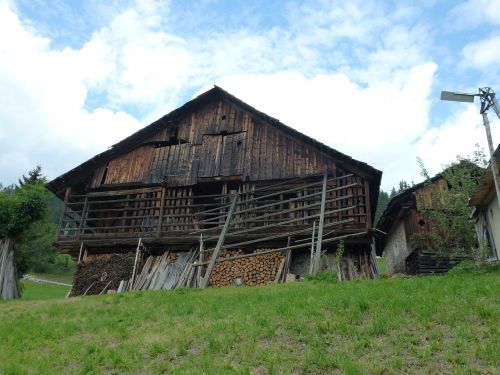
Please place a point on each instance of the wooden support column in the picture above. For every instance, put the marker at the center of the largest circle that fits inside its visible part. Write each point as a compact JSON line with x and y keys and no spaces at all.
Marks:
{"x":162,"y":205}
{"x":82,"y":219}
{"x":63,"y":211}
{"x":131,"y":285}
{"x":206,"y":279}
{"x":317,"y":256}
{"x":80,"y":253}
{"x":368,"y":209}
{"x":311,"y":262}
{"x":201,"y":259}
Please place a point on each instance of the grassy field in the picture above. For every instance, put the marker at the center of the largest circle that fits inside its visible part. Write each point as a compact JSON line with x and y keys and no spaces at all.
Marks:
{"x":36,"y":292}
{"x":66,"y":277}
{"x":445,"y":324}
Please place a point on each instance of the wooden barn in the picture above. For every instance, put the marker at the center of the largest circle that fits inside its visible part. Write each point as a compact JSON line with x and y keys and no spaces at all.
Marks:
{"x":216,"y":193}
{"x":406,"y":245}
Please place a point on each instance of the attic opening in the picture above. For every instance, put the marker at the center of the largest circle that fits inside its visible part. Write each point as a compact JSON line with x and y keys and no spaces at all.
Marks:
{"x":173,"y":138}
{"x":105,"y":174}
{"x":174,"y":142}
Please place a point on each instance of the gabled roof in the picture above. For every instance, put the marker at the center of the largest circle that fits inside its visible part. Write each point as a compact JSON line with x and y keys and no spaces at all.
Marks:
{"x":485,"y":190}
{"x":82,"y":171}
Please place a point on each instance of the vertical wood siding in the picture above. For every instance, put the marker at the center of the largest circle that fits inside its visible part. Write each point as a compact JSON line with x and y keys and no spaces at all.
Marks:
{"x":221,"y":140}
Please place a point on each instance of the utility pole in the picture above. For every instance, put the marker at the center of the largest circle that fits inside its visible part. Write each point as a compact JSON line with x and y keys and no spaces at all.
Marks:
{"x":487,"y":98}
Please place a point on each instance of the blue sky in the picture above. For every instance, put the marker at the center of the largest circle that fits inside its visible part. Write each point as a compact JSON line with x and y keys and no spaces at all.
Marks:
{"x":363,"y":77}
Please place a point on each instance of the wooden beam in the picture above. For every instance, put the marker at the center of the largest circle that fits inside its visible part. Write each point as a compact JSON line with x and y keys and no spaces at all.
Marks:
{"x":162,"y":206}
{"x":317,"y":256}
{"x":292,"y":247}
{"x":135,"y":264}
{"x":82,"y":218}
{"x":201,"y":259}
{"x":206,"y":278}
{"x":311,"y":262}
{"x":63,"y":211}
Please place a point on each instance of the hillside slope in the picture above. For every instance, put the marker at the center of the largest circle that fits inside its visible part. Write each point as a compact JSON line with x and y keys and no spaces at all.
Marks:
{"x":445,"y":324}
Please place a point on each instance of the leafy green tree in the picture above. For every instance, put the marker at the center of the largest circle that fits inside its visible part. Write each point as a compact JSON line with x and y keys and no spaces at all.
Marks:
{"x":34,"y":176}
{"x":383,"y":201}
{"x":451,"y":231}
{"x":24,"y":219}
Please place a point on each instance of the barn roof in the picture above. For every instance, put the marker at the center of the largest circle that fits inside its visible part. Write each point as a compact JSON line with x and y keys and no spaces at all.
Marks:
{"x":485,"y":190}
{"x":83,"y":170}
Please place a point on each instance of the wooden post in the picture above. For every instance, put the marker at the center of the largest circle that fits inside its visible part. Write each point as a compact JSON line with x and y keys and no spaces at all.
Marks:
{"x":373,"y":258}
{"x":287,"y":258}
{"x":206,"y":279}
{"x":368,"y":209}
{"x":162,"y":205}
{"x":82,"y":219}
{"x":80,"y":254}
{"x":135,"y":264}
{"x":201,"y":259}
{"x":65,"y":204}
{"x":311,"y":262}
{"x":317,"y":257}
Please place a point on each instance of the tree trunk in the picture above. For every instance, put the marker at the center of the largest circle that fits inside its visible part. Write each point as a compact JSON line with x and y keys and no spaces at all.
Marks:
{"x":9,"y":287}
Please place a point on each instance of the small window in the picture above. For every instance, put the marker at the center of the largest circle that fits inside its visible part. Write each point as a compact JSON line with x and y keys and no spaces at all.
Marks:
{"x":174,"y":133}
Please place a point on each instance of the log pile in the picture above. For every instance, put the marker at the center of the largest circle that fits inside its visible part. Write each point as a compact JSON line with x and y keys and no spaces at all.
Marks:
{"x":102,"y":274}
{"x":9,"y":287}
{"x":255,"y":270}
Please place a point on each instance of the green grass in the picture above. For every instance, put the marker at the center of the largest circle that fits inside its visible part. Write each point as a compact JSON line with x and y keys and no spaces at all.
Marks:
{"x":382,"y":266}
{"x":37,"y":291}
{"x":445,"y":324}
{"x":66,"y":277}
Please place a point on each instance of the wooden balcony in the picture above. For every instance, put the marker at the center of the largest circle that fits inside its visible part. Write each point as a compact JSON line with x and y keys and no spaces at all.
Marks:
{"x":260,"y":211}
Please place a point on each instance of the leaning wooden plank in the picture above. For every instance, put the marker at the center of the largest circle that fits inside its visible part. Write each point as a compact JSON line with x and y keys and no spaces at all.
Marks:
{"x":277,"y":278}
{"x":135,"y":263}
{"x":206,"y":279}
{"x":120,"y":286}
{"x":106,"y":287}
{"x":317,"y":255}
{"x":87,"y":290}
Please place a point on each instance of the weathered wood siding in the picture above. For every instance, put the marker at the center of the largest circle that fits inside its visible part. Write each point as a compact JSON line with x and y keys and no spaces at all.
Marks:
{"x":218,"y":139}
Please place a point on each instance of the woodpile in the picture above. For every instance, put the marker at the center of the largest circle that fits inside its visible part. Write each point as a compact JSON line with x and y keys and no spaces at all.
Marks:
{"x":9,"y":288}
{"x":255,"y":270}
{"x":102,"y":274}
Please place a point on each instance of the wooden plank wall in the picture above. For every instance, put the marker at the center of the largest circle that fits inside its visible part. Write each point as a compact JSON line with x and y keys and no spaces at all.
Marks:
{"x":221,"y":140}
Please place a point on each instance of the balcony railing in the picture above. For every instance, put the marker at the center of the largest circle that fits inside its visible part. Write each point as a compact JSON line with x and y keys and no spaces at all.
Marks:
{"x":159,"y":212}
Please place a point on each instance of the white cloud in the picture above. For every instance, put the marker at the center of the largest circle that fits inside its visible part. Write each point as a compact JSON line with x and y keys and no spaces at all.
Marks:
{"x":352,"y":76}
{"x":375,"y":124}
{"x":457,"y":136}
{"x":42,"y":115}
{"x":475,"y":12}
{"x":482,"y":54}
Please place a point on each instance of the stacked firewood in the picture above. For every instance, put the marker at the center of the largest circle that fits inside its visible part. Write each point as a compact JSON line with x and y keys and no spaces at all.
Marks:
{"x":102,"y":274}
{"x":255,"y":270}
{"x":92,"y":257}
